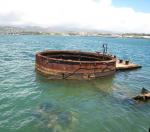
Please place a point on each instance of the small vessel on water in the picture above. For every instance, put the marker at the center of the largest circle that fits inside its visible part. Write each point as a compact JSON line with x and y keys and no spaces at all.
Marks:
{"x":67,"y":64}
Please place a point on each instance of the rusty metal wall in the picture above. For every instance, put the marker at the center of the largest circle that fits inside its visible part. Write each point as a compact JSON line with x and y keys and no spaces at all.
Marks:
{"x":73,"y":69}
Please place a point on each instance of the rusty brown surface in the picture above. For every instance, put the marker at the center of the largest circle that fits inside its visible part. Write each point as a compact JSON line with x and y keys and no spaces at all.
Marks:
{"x":57,"y":68}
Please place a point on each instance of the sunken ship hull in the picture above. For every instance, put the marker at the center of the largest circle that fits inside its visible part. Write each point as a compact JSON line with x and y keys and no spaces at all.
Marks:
{"x":74,"y":64}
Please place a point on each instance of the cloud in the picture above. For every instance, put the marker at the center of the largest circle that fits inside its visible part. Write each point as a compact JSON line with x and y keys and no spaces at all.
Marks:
{"x":10,"y":18}
{"x":86,"y":14}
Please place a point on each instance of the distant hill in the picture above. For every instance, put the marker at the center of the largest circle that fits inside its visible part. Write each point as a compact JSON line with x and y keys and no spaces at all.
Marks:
{"x":41,"y":30}
{"x":21,"y":30}
{"x":35,"y":30}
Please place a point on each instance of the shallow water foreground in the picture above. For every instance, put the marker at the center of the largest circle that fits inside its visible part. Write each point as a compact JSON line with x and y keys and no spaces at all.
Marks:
{"x":31,"y":103}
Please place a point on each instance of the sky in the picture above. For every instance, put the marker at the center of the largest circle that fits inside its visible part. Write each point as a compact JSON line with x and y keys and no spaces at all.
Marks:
{"x":137,"y":5}
{"x":101,"y":15}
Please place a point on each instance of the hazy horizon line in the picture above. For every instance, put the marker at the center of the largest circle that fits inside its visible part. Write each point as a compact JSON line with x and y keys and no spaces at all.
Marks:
{"x":64,"y":29}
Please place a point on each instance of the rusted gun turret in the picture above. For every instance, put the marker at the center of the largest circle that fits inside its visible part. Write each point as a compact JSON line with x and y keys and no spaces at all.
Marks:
{"x":143,"y":96}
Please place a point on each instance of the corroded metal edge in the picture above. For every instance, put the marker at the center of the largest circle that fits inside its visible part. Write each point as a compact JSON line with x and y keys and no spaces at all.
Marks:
{"x":72,"y":69}
{"x":78,"y":76}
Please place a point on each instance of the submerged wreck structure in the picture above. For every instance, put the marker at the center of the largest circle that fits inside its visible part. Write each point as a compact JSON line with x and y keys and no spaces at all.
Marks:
{"x":69,"y":64}
{"x":143,"y":96}
{"x":74,"y":64}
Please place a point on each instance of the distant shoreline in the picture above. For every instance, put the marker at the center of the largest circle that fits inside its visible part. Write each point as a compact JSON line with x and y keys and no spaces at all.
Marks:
{"x":127,"y":35}
{"x":8,"y":30}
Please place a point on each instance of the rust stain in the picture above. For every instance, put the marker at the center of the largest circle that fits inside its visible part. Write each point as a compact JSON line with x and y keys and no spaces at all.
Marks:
{"x":74,"y":64}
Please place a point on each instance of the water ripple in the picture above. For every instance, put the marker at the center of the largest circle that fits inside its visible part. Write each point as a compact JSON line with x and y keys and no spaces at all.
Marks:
{"x":71,"y":106}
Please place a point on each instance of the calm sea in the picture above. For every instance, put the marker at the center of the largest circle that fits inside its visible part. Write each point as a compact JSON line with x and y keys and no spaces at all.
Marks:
{"x":31,"y":103}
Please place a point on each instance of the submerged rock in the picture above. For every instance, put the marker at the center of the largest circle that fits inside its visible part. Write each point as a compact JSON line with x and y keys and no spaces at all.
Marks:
{"x":48,"y":107}
{"x":52,"y":117}
{"x":143,"y":96}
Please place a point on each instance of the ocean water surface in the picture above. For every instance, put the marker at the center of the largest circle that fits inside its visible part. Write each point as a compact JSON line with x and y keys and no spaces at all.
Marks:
{"x":31,"y":103}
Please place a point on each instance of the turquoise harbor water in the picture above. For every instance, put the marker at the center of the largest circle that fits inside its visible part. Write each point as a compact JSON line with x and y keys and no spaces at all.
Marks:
{"x":31,"y":103}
